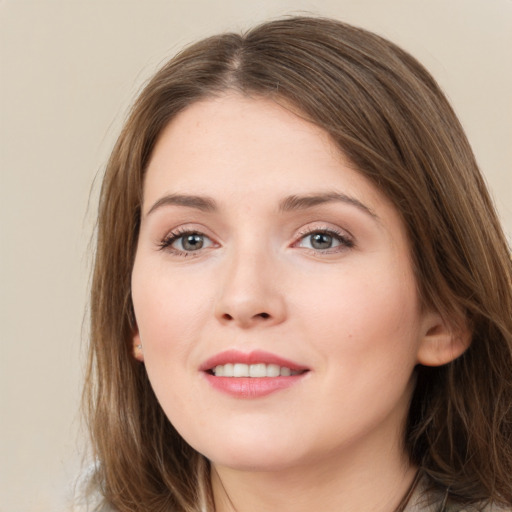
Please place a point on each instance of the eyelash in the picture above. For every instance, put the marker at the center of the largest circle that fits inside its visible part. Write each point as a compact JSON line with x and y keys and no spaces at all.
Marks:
{"x":345,"y":242}
{"x":173,"y":236}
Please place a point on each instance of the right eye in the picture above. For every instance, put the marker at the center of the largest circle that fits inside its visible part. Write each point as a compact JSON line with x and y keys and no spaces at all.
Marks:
{"x":185,"y":242}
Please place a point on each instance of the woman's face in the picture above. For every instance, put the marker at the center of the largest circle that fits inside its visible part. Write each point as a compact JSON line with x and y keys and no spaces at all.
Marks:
{"x":263,"y":252}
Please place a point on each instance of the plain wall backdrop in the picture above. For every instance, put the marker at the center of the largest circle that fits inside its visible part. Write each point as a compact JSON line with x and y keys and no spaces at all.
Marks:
{"x":68,"y":72}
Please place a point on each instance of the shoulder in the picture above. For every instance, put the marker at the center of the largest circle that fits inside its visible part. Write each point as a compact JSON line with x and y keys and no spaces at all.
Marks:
{"x":476,"y":508}
{"x":87,"y":496}
{"x":425,"y":499}
{"x":91,"y":502}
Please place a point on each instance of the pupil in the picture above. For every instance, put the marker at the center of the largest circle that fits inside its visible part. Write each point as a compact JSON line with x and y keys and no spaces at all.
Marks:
{"x":192,"y":242}
{"x":321,"y":241}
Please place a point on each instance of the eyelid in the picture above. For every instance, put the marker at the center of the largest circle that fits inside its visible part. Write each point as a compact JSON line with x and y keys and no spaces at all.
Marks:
{"x":346,"y":239}
{"x":165,"y":243}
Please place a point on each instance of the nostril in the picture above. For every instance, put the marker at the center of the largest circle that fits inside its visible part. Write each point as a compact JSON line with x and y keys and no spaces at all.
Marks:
{"x":243,"y":319}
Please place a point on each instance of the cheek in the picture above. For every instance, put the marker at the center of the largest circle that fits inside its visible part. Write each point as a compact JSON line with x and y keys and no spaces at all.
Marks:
{"x":172,"y":312}
{"x":168,"y":312}
{"x":367,"y":315}
{"x":168,"y":307}
{"x":366,"y":330}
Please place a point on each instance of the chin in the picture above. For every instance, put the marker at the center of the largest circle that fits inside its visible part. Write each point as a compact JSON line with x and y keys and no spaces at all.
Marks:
{"x":250,"y":454}
{"x":254,"y":462}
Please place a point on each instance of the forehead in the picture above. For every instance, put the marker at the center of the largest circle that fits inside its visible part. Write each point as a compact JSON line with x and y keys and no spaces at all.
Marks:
{"x":243,"y":140}
{"x":251,"y":148}
{"x":223,"y":124}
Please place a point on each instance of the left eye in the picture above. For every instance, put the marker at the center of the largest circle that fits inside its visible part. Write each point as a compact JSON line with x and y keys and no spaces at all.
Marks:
{"x":324,"y":240}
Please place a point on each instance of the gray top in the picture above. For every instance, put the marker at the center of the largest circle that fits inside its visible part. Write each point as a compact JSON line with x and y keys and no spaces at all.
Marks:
{"x":422,"y":500}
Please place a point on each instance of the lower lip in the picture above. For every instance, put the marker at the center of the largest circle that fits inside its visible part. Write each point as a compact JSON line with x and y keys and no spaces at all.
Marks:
{"x":251,"y":387}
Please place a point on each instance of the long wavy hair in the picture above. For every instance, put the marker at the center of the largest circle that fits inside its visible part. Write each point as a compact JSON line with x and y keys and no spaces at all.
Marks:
{"x":387,"y":114}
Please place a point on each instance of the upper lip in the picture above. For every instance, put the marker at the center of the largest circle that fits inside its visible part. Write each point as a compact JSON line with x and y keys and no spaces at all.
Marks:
{"x":253,"y":357}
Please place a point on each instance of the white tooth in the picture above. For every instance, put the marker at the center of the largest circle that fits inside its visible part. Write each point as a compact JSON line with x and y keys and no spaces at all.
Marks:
{"x":273,"y":370}
{"x":285,"y":372}
{"x":240,"y":370}
{"x":257,"y":370}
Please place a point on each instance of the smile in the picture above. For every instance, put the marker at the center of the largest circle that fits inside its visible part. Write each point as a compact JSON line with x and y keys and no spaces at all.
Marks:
{"x":251,"y":375}
{"x":253,"y":370}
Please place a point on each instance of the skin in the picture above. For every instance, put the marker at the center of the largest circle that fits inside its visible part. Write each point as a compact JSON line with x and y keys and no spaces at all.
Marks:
{"x":349,"y":313}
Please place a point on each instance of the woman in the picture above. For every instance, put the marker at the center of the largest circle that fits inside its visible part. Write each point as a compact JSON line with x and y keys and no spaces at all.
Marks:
{"x":301,"y":294}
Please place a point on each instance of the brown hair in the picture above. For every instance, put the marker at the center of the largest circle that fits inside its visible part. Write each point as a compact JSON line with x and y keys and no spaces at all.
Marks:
{"x":387,"y":114}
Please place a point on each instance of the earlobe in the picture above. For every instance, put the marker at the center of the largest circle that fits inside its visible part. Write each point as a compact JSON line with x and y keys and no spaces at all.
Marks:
{"x":441,"y":343}
{"x":137,"y":347}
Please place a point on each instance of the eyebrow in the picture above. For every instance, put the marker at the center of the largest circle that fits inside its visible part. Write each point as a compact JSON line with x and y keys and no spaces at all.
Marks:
{"x":203,"y":203}
{"x":288,"y":204}
{"x":295,"y":202}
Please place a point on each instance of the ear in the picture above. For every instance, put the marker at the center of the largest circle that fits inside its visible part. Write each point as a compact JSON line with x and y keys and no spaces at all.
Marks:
{"x":137,"y":346}
{"x":441,"y":342}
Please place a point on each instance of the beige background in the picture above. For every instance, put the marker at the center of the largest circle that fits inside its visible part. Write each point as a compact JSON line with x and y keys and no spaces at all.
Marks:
{"x":68,"y":71}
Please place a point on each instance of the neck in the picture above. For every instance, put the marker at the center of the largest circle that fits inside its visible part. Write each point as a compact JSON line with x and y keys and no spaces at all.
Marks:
{"x":362,"y":482}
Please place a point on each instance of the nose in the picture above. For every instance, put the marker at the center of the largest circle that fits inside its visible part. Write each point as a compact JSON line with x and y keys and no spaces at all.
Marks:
{"x":250,"y":293}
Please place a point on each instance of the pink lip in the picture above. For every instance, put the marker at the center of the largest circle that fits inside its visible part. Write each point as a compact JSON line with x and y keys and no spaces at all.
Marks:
{"x":254,"y":357}
{"x":250,"y":387}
